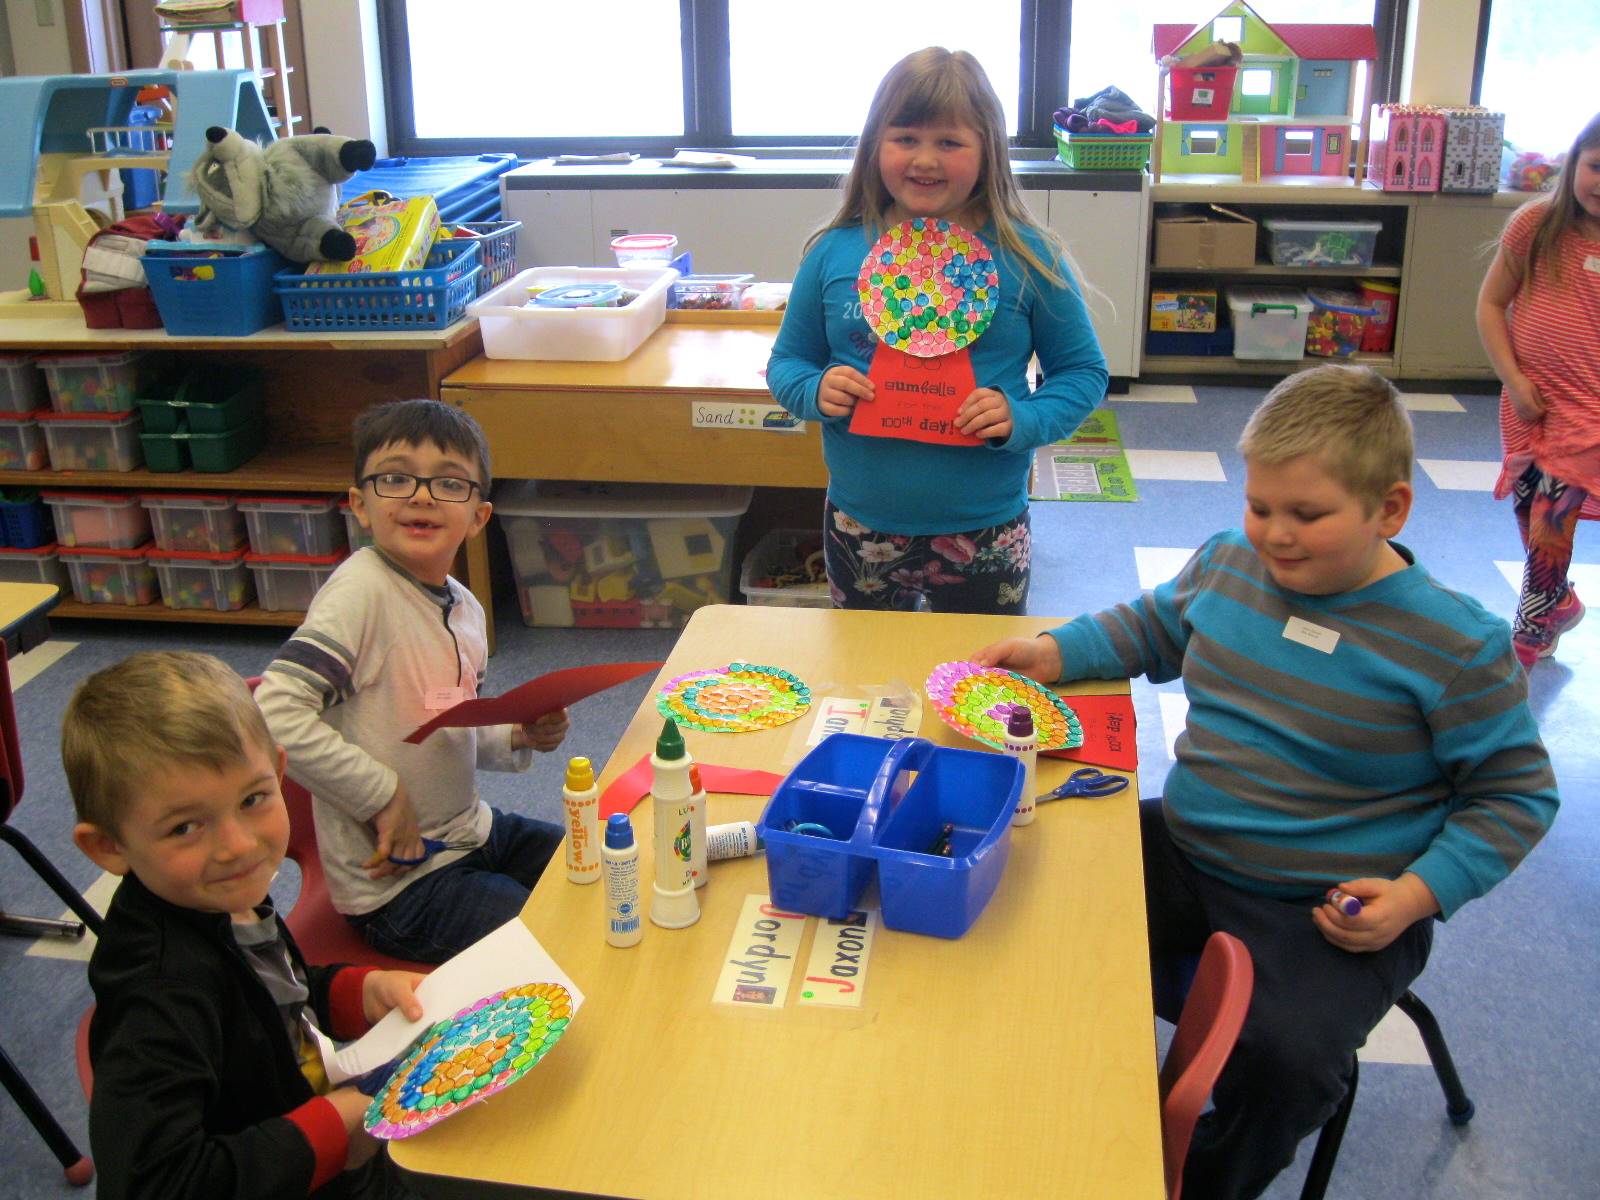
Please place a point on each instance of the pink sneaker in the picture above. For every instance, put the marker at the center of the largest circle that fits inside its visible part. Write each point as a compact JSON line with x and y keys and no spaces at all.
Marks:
{"x":1562,"y":618}
{"x":1527,"y":652}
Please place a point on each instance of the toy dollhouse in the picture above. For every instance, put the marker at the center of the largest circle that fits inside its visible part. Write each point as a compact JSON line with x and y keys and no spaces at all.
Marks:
{"x":1278,"y":105}
{"x":1422,"y":148}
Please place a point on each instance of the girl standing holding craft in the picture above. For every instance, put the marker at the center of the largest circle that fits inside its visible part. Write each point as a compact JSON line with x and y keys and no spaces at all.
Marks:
{"x":1539,"y":317}
{"x":909,"y":524}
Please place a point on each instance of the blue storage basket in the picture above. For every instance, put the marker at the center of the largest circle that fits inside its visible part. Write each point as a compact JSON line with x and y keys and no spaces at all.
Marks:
{"x":885,"y":805}
{"x":430,"y":297}
{"x":497,"y":250}
{"x":203,"y":292}
{"x":25,"y":522}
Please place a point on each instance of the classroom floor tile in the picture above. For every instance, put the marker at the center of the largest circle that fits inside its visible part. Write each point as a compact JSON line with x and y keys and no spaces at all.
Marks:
{"x":1159,"y":393}
{"x":1187,"y":466}
{"x":1458,"y":475}
{"x":1157,"y":564}
{"x":1174,"y":712}
{"x":1431,"y":402}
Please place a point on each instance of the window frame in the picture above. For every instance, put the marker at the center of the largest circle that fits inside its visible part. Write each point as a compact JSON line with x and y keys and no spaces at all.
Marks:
{"x":1045,"y":39}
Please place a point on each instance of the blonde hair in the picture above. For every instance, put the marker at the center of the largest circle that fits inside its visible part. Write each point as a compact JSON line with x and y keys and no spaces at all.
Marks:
{"x":1351,"y":418}
{"x":1561,"y":210}
{"x":151,"y":712}
{"x":929,"y":86}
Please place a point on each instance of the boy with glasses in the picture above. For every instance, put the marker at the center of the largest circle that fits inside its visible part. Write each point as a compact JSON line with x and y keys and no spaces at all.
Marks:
{"x":419,"y":864}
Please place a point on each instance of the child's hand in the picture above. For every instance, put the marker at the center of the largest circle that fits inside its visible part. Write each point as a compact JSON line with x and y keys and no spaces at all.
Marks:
{"x":840,"y":389}
{"x":1388,"y":908}
{"x":1038,"y":658}
{"x":396,"y":826}
{"x":385,"y":990}
{"x":985,"y":414}
{"x":352,"y":1106}
{"x":544,"y":734}
{"x":1525,"y":398}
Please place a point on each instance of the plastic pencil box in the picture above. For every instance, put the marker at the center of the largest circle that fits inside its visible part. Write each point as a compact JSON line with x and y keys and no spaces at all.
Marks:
{"x":931,"y":823}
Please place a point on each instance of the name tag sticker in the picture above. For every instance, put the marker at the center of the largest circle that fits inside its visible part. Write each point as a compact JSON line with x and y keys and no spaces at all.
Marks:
{"x":1297,"y":629}
{"x":1592,"y":263}
{"x":439,"y":699}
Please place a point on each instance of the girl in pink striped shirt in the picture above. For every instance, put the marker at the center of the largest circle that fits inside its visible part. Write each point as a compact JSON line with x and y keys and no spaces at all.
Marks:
{"x":1539,"y":318}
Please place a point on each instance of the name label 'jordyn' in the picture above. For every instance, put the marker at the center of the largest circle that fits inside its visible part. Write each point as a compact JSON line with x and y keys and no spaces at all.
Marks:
{"x":759,"y":963}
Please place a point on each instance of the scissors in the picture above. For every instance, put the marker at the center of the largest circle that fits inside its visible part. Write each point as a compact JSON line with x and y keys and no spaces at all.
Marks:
{"x":1086,"y":781}
{"x":430,"y":847}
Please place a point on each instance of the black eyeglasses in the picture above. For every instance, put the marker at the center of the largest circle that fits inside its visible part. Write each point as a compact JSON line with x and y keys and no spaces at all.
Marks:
{"x":397,"y":485}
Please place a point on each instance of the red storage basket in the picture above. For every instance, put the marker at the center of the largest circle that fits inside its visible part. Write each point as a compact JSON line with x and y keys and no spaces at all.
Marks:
{"x":1200,"y":93}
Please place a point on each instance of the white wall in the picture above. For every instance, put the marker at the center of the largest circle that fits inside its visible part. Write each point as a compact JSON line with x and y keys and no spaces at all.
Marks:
{"x":35,"y":50}
{"x":1441,"y":49}
{"x":344,"y":74}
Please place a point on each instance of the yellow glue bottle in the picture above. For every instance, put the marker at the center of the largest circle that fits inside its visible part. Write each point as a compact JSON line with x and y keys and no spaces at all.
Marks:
{"x":582,"y":800}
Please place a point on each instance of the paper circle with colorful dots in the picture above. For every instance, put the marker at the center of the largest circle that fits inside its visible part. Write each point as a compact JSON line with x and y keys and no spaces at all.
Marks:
{"x":483,"y":1048}
{"x":977,"y":701}
{"x":928,"y":287}
{"x":737,"y":698}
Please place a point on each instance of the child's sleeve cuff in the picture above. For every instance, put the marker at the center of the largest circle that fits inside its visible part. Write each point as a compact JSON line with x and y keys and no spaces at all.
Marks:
{"x":345,"y":1010}
{"x":323,"y":1128}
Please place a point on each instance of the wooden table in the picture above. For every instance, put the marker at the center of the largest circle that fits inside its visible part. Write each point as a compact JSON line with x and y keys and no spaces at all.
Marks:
{"x":23,"y":609}
{"x":1018,"y":1060}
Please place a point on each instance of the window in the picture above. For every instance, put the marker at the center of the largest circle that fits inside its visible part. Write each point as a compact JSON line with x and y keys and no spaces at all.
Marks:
{"x":1256,"y":81}
{"x":650,"y":76}
{"x":1227,"y":29}
{"x":1298,"y":141}
{"x":1537,"y":67}
{"x":1205,"y":141}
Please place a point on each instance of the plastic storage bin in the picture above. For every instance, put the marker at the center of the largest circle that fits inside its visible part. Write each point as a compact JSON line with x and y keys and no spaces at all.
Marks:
{"x":1322,"y":243}
{"x":187,"y":521}
{"x":203,"y":579}
{"x":513,"y":329}
{"x":431,"y":297}
{"x":356,"y":536}
{"x":218,"y":292}
{"x":25,"y":522}
{"x":709,"y":292}
{"x":1268,"y":322}
{"x":22,"y":446}
{"x":98,"y":519}
{"x":296,"y":525}
{"x":212,"y":452}
{"x":22,"y":385}
{"x":881,"y":807}
{"x":1378,"y":336}
{"x":644,"y":249}
{"x":785,"y":569}
{"x":1104,"y":151}
{"x":92,"y":441}
{"x":204,"y":400}
{"x":42,"y":564}
{"x":1337,"y":323}
{"x":92,"y":383}
{"x":286,"y":582}
{"x":619,"y":555}
{"x":111,"y":576}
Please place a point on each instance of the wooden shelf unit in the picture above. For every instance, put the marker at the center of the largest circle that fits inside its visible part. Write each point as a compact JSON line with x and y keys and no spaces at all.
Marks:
{"x":248,"y":615}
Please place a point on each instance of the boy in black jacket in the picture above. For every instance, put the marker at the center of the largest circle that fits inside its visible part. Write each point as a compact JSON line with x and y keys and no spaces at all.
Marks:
{"x":208,"y":1076}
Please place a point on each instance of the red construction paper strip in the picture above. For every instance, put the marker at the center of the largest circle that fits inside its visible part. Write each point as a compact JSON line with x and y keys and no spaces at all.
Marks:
{"x":916,"y":398}
{"x":1110,"y":734}
{"x":633,"y":785}
{"x":532,"y":700}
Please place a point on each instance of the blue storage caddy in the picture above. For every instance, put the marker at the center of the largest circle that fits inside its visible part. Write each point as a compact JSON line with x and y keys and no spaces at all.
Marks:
{"x":430,"y":297}
{"x":885,"y":805}
{"x":213,"y":290}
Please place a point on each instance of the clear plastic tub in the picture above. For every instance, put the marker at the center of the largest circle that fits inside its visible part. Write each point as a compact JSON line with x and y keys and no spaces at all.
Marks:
{"x":98,"y":519}
{"x":22,"y":445}
{"x":1322,"y":243}
{"x":1338,"y":322}
{"x":92,"y":441}
{"x":186,"y":521}
{"x":356,"y":536}
{"x":1269,"y":323}
{"x":41,"y":564}
{"x":785,"y":569}
{"x":112,"y":577}
{"x":619,"y":555}
{"x":709,"y":293}
{"x":644,"y":249}
{"x":94,"y":383}
{"x":286,"y":582}
{"x":295,"y":525}
{"x":202,"y":579}
{"x":22,"y":384}
{"x":514,"y":329}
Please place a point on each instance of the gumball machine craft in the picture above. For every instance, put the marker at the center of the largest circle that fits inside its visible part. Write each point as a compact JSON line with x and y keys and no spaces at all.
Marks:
{"x":928,"y":289}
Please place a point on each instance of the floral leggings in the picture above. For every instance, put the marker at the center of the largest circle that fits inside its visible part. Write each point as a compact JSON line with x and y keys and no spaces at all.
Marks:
{"x":1547,"y":514}
{"x":980,"y":571}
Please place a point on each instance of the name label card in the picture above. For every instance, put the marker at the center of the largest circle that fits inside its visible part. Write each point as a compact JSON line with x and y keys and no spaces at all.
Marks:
{"x":759,"y":963}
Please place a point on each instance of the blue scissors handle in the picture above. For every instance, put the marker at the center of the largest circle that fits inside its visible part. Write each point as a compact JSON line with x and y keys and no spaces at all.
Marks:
{"x":430,"y":847}
{"x":1086,"y":781}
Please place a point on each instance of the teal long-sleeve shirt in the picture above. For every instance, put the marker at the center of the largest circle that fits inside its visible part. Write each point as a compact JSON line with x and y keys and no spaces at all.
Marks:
{"x":1409,"y":747}
{"x":897,"y":486}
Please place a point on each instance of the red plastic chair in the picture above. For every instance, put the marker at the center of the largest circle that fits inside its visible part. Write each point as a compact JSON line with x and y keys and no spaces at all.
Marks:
{"x":1207,"y":1030}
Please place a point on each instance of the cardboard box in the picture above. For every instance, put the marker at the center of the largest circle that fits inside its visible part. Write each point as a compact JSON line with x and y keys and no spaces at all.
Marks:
{"x":391,"y":234}
{"x":1218,"y":237}
{"x":1183,"y":310}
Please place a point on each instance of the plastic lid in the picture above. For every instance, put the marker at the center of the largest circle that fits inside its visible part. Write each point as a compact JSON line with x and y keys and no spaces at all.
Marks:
{"x":28,"y":551}
{"x":619,"y":832}
{"x":580,"y":775}
{"x":1342,"y":226}
{"x":122,"y":417}
{"x":97,"y":552}
{"x":1020,"y":722}
{"x":84,"y":360}
{"x":183,"y":499}
{"x":313,"y":503}
{"x":100,"y":498}
{"x":297,"y":560}
{"x":579,"y":295}
{"x":22,"y":416}
{"x":645,"y":241}
{"x":1339,"y":300}
{"x":669,"y":746}
{"x":218,"y":557}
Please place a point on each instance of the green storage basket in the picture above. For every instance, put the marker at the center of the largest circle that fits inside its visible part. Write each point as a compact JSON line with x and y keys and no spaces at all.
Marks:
{"x":211,"y":452}
{"x":1104,"y":151}
{"x":205,"y":400}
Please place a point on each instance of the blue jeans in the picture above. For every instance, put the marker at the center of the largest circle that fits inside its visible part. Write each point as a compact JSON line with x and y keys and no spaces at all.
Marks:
{"x":440,"y":914}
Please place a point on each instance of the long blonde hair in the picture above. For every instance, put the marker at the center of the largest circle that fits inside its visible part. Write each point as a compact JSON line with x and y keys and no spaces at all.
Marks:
{"x":1561,"y":211}
{"x":929,"y":86}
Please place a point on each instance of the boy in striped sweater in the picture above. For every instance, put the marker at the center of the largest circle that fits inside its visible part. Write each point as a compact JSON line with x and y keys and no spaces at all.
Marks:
{"x":1353,"y":725}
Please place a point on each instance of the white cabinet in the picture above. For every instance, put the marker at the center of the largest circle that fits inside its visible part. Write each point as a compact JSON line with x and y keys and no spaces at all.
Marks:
{"x":1107,"y":234}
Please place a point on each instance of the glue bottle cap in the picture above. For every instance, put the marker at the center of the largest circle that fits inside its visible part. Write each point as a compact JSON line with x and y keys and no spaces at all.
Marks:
{"x":580,"y":775}
{"x":619,"y":832}
{"x":669,"y":745}
{"x":1020,"y":722}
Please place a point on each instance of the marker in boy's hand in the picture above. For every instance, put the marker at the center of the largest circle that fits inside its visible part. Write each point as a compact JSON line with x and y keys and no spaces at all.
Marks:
{"x":1038,"y":658}
{"x":1384,"y":909}
{"x":839,"y":390}
{"x":1349,"y":905}
{"x":543,"y":734}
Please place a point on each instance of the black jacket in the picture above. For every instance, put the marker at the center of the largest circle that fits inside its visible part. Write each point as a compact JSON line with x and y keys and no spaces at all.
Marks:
{"x":193,"y":1069}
